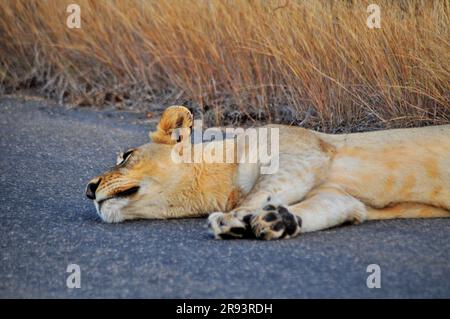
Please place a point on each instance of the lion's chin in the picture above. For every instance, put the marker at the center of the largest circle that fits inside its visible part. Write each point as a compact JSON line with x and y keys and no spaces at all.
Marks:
{"x":110,"y":210}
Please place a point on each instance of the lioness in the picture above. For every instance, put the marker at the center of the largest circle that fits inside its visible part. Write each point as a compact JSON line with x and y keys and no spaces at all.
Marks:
{"x":322,"y":181}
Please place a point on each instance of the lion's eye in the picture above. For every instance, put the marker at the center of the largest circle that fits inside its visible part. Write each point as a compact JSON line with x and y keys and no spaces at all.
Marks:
{"x":123,"y":157}
{"x":127,"y":154}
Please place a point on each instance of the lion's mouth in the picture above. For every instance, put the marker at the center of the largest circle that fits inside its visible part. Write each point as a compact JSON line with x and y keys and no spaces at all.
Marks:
{"x":128,"y":192}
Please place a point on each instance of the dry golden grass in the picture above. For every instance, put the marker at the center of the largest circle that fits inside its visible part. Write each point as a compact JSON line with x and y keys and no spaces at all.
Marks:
{"x":309,"y":62}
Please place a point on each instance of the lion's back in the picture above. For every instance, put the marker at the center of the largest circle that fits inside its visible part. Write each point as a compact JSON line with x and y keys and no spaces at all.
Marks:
{"x":393,"y":166}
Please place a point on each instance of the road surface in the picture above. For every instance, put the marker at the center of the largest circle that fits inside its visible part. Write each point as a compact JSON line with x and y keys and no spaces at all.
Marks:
{"x":47,"y":155}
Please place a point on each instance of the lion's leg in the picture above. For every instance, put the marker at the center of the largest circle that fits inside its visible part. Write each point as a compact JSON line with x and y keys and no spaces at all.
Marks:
{"x":325,"y":207}
{"x":236,"y":223}
{"x":407,"y":210}
{"x":281,"y":188}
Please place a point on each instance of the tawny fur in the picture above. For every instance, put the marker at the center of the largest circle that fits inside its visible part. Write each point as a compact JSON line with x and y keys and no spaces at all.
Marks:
{"x":323,"y":180}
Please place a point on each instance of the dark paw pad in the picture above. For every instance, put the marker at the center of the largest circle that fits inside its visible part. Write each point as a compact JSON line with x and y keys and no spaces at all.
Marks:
{"x":275,"y":222}
{"x":230,"y":225}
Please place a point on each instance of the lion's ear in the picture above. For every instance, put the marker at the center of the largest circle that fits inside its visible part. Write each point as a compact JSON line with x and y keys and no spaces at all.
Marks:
{"x":175,"y":125}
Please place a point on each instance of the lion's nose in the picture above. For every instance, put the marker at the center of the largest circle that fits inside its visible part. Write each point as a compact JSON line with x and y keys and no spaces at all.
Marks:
{"x":92,"y":187}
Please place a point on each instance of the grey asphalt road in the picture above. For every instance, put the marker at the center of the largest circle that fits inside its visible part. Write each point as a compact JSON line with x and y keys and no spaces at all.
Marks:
{"x":48,"y":153}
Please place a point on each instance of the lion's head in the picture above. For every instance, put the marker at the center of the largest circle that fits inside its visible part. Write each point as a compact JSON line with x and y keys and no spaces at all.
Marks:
{"x":147,"y":183}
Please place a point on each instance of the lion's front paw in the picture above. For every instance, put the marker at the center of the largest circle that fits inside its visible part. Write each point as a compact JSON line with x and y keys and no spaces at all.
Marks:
{"x":274,"y":223}
{"x":231,"y":225}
